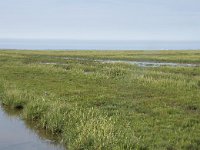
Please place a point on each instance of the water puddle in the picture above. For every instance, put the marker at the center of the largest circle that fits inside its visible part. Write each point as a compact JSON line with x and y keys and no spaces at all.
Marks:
{"x":15,"y":134}
{"x":52,"y":63}
{"x":138,"y":63}
{"x":149,"y":64}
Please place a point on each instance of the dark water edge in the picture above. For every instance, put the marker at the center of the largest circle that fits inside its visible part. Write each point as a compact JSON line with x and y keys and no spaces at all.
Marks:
{"x":17,"y":134}
{"x":61,"y":44}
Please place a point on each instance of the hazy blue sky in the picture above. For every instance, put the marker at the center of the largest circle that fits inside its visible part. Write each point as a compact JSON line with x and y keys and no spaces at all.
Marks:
{"x":101,"y":19}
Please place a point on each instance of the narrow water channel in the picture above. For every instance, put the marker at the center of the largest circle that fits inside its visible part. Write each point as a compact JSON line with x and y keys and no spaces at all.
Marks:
{"x":15,"y":134}
{"x":138,"y":63}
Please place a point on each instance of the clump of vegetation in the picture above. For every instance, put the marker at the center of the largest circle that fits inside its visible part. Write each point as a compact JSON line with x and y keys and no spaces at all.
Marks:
{"x":94,"y":105}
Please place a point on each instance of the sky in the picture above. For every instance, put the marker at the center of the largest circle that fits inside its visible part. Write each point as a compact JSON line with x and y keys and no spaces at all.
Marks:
{"x":174,"y":20}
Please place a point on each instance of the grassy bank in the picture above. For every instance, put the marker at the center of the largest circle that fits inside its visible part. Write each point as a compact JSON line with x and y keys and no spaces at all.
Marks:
{"x":93,"y":105}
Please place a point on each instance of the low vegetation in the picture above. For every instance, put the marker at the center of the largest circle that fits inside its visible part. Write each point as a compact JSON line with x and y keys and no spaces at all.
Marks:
{"x":94,"y":105}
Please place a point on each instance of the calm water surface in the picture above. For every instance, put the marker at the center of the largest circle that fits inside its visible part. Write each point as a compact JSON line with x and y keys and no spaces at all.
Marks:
{"x":38,"y":44}
{"x":15,"y":134}
{"x":138,"y":63}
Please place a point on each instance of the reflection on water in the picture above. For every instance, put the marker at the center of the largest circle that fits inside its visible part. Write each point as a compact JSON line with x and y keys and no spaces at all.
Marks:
{"x":150,"y":64}
{"x":64,"y":44}
{"x":138,"y":63}
{"x":16,"y":134}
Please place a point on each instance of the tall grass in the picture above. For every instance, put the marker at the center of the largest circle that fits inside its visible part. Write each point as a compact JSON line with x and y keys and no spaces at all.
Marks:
{"x":91,"y":105}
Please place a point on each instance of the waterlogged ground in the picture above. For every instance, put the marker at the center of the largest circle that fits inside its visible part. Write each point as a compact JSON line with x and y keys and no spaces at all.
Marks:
{"x":106,"y":100}
{"x":15,"y":134}
{"x":138,"y":63}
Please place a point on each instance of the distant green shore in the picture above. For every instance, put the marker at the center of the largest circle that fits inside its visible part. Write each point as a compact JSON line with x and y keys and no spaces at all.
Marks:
{"x":94,"y":105}
{"x":182,"y":56}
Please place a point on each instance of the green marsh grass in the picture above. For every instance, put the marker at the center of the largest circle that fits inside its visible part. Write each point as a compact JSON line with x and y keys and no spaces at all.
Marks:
{"x":93,"y":105}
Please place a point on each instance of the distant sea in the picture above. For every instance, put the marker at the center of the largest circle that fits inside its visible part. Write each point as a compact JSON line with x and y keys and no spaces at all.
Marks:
{"x":50,"y":44}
